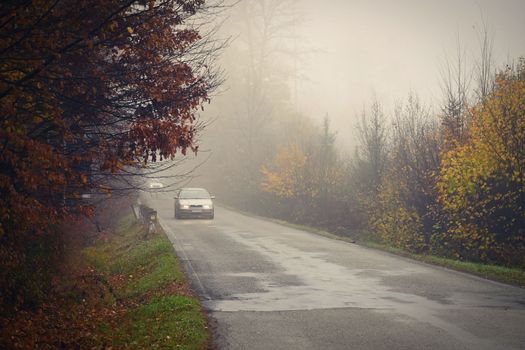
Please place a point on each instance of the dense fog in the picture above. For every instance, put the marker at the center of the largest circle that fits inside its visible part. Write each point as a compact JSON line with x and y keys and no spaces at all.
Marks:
{"x":332,"y":59}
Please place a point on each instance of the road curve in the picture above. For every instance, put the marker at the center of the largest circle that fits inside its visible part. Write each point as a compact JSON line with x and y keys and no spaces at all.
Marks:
{"x":269,"y":286}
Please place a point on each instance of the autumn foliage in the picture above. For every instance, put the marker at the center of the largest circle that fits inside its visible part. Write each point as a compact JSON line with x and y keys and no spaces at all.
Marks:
{"x":287,"y":180}
{"x":444,"y":186}
{"x":481,"y":182}
{"x":305,"y":180}
{"x":88,"y":89}
{"x":459,"y":196}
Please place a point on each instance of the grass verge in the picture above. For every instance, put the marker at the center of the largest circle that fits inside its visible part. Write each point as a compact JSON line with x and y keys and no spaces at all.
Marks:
{"x":146,"y":278}
{"x":116,"y":290}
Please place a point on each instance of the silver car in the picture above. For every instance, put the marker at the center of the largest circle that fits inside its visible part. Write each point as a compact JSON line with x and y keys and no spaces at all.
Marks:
{"x":193,"y":203}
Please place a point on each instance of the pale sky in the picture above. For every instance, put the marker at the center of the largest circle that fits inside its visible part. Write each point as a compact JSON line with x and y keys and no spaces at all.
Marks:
{"x":392,"y":47}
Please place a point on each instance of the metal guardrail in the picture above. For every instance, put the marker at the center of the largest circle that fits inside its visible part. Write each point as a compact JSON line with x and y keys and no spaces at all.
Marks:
{"x":148,"y":217}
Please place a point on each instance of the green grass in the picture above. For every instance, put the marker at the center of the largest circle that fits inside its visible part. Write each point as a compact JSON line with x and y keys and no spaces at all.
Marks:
{"x":96,"y":258}
{"x":157,"y":317}
{"x":169,"y":322}
{"x":503,"y":274}
{"x":139,"y":255}
{"x":165,"y":271}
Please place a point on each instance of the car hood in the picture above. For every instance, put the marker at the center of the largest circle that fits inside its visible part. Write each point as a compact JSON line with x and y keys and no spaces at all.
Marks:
{"x":195,"y":202}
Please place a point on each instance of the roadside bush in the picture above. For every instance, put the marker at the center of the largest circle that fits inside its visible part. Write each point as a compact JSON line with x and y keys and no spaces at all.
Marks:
{"x":481,"y":182}
{"x":27,"y":270}
{"x":393,"y":223}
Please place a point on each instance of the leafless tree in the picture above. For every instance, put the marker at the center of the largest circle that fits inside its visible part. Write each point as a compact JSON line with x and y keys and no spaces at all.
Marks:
{"x":373,"y":142}
{"x":484,"y":63}
{"x":456,"y":79}
{"x":415,"y":155}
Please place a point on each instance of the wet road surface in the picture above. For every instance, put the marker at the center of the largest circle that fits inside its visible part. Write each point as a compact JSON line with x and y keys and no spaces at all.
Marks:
{"x":269,"y":286}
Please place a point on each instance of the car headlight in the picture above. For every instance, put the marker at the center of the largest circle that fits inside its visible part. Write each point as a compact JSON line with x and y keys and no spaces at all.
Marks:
{"x":206,"y":206}
{"x":185,"y":206}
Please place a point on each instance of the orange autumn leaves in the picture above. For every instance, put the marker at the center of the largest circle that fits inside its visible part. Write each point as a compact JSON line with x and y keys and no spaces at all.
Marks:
{"x":88,"y":89}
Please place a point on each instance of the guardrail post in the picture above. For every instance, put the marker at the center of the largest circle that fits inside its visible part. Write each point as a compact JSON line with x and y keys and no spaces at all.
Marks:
{"x":149,"y":220}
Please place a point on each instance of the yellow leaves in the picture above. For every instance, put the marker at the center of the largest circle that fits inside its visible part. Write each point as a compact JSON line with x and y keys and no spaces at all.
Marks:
{"x":480,"y":181}
{"x":398,"y":225}
{"x":287,"y":179}
{"x":491,"y":150}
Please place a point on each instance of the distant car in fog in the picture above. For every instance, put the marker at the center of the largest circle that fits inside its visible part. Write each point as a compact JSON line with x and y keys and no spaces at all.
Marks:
{"x":155,"y":185}
{"x":193,"y":203}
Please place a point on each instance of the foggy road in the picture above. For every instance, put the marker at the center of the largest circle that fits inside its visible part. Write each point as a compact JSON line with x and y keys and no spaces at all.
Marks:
{"x":269,"y":286}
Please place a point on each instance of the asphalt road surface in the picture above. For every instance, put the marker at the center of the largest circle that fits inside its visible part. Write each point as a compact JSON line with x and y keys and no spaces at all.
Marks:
{"x":269,"y":286}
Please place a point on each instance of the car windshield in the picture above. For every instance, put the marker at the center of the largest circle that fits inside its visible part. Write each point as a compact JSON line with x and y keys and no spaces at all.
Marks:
{"x":194,"y":194}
